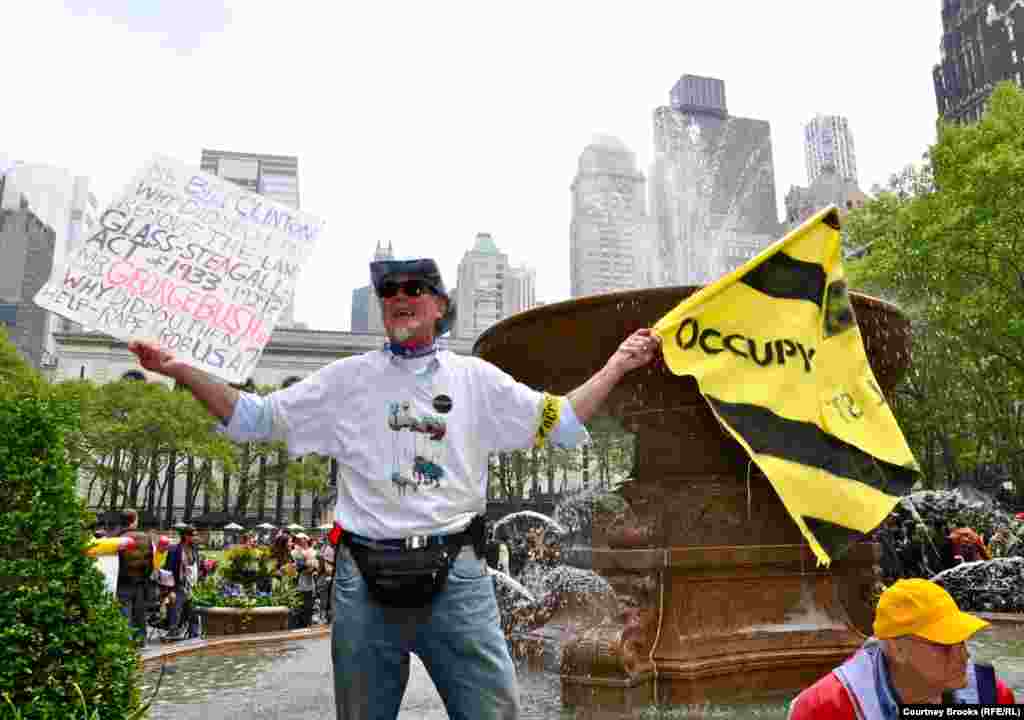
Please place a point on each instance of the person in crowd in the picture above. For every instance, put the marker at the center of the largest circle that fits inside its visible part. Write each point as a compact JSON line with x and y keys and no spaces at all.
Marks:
{"x":918,"y":655}
{"x":305,"y":565}
{"x":411,"y":426}
{"x":281,"y":551}
{"x":183,"y":561}
{"x":966,"y":545}
{"x":135,"y":586}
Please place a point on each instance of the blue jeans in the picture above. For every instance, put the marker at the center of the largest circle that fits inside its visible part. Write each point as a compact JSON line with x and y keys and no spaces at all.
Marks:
{"x":458,"y":637}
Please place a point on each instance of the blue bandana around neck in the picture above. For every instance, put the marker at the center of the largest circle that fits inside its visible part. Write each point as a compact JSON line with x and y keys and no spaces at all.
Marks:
{"x":411,"y":352}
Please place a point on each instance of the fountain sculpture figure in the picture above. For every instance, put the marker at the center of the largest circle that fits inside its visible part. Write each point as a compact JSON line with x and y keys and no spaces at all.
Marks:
{"x":722,"y":598}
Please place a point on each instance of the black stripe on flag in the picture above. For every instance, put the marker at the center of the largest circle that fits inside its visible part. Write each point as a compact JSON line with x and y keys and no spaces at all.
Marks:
{"x":787,"y":278}
{"x":808,"y":444}
{"x":834,"y":539}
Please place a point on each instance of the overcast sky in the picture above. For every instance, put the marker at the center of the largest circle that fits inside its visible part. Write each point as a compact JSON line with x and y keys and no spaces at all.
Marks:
{"x":424,"y":123}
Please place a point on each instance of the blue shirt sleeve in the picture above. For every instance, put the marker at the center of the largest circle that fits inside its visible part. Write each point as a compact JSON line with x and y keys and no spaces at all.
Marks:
{"x":569,"y":432}
{"x":252,"y":420}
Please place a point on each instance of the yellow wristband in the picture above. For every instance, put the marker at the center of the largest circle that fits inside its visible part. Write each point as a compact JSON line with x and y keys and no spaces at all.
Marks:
{"x":550,"y":411}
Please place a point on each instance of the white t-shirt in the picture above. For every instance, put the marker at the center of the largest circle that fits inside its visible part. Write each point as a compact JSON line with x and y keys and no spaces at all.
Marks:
{"x":411,"y":435}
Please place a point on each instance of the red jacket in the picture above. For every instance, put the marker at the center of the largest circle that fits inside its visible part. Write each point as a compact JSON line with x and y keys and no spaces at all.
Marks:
{"x":827,"y":699}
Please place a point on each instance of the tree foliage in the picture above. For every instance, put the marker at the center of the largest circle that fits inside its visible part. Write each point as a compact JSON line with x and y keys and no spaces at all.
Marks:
{"x":59,"y":629}
{"x":946,"y":242}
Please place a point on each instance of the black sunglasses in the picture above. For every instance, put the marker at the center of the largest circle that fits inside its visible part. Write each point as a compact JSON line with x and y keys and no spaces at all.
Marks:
{"x":411,"y":288}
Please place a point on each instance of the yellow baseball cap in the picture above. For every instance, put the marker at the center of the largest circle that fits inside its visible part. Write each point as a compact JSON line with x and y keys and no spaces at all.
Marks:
{"x":922,"y":608}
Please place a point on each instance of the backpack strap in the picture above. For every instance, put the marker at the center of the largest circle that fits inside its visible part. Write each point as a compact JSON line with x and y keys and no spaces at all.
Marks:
{"x":985,"y":676}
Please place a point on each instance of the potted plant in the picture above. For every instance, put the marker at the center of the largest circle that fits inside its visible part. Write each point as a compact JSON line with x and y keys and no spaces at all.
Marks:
{"x":244,"y":595}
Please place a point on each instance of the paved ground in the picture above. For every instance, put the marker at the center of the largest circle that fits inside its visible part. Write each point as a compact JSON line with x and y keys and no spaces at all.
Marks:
{"x":273,"y":684}
{"x":281,"y":682}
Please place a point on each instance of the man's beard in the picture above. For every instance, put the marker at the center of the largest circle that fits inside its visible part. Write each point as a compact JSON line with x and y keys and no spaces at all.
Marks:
{"x":404,"y":334}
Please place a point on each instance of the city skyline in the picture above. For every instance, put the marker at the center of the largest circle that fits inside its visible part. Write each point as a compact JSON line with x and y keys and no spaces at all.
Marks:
{"x":407,"y":140}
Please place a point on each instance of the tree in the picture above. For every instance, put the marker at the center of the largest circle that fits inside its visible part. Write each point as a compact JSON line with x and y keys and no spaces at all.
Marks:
{"x":59,"y":629}
{"x":133,"y":433}
{"x":947,"y":243}
{"x":17,"y":377}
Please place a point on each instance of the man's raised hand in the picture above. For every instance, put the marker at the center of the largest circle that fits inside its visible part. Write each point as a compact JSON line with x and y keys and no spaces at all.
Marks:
{"x":153,"y":358}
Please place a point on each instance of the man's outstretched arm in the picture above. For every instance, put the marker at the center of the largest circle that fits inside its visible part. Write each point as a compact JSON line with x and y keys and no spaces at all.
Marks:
{"x":637,"y":350}
{"x":219,"y":399}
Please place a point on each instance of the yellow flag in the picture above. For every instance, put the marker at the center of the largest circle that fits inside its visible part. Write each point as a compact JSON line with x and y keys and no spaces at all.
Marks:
{"x":778,"y":356}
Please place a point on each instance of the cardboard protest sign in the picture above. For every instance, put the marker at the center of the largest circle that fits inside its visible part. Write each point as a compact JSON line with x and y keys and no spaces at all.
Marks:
{"x":191,"y":261}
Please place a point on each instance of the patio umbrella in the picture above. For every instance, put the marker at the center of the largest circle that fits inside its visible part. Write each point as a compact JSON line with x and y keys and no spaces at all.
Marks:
{"x":325,"y":526}
{"x":295,"y":526}
{"x":266,"y":526}
{"x":233,"y":526}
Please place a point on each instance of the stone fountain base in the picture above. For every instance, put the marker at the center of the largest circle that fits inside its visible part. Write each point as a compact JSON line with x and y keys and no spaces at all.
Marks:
{"x":735,"y":622}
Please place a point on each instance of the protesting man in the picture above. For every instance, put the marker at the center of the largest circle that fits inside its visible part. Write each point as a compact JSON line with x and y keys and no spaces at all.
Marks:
{"x":412,"y":428}
{"x":917,"y":656}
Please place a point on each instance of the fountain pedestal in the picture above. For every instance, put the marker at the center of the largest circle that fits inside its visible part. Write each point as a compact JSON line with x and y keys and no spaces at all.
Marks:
{"x":728,"y":601}
{"x":735,"y":621}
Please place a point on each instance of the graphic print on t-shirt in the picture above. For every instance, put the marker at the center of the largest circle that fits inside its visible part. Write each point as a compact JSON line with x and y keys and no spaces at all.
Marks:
{"x":418,"y":443}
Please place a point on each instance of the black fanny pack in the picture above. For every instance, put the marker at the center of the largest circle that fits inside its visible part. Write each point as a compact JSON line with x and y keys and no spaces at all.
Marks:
{"x":412,"y":577}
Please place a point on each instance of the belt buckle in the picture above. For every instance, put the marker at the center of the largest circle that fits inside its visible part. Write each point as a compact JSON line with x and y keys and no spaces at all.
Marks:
{"x":417,"y":542}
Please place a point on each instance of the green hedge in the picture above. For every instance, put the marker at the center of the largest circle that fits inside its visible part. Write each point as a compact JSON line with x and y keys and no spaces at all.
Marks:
{"x":58,"y":627}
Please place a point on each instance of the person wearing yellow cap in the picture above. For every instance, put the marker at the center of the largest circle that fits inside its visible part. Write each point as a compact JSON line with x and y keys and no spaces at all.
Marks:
{"x":918,"y":655}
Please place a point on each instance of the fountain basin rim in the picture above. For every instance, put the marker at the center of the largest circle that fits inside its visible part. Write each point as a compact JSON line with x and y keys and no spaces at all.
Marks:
{"x":712,"y":557}
{"x":730,"y":663}
{"x":220,"y":643}
{"x":574,"y":304}
{"x":629,"y":681}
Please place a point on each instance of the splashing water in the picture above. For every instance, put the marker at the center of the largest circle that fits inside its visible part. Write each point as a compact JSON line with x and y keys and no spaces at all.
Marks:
{"x":512,"y":583}
{"x":551,"y":522}
{"x":921,"y":523}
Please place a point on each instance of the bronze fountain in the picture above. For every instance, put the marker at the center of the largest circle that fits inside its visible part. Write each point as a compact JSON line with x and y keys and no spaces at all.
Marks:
{"x":723,"y":599}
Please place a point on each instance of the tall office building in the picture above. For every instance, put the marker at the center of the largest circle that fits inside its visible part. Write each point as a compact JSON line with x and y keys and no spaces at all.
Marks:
{"x":828,"y":144}
{"x":520,"y":289}
{"x":982,"y":44}
{"x":489,"y":289}
{"x":27,"y":247}
{"x":608,"y":218}
{"x":366,"y":315}
{"x":480,"y":293}
{"x":827,"y":189}
{"x":361,"y":309}
{"x":275,"y":176}
{"x":60,"y":200}
{"x":62,"y":209}
{"x":712,"y":185}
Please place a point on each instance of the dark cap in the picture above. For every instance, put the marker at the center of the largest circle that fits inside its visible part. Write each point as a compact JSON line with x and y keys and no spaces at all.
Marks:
{"x":426,"y":268}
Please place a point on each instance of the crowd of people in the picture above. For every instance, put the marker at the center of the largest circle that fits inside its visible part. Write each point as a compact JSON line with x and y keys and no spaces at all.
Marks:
{"x":312,"y":562}
{"x":155,"y":578}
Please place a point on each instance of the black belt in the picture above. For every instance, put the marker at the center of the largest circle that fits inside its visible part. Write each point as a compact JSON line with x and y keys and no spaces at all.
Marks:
{"x":414,"y":542}
{"x":410,"y":572}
